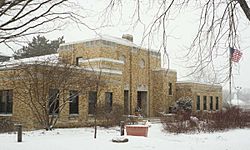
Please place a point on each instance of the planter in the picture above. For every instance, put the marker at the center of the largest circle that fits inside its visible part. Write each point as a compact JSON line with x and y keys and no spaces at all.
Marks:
{"x":137,"y":130}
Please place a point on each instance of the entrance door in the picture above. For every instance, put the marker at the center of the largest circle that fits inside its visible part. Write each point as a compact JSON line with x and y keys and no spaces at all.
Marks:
{"x":142,"y":102}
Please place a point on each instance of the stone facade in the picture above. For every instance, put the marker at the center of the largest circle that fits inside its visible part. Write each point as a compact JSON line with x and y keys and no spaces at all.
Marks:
{"x":206,"y":97}
{"x":132,"y":74}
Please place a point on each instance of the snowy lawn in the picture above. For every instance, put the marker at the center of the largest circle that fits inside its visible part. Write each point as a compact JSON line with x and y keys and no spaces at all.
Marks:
{"x":82,"y":138}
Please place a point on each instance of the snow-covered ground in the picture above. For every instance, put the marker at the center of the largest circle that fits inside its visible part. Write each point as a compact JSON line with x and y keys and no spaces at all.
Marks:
{"x":82,"y":138}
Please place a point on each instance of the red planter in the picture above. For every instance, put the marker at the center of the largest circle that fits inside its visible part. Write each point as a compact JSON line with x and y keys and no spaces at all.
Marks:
{"x":137,"y":130}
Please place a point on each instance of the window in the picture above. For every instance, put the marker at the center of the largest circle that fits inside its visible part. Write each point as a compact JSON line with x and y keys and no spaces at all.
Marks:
{"x":6,"y":103}
{"x":217,"y":103}
{"x":92,"y":101}
{"x":73,"y":102}
{"x":77,"y":60}
{"x":170,"y":89}
{"x":122,"y":58}
{"x":142,"y":63}
{"x":211,"y":102}
{"x":53,"y":101}
{"x":109,"y":101}
{"x":204,"y":102}
{"x":198,"y":103}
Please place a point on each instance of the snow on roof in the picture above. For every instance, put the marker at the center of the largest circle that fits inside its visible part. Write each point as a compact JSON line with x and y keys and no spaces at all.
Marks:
{"x":117,"y":40}
{"x":100,"y":60}
{"x":106,"y":38}
{"x":53,"y":58}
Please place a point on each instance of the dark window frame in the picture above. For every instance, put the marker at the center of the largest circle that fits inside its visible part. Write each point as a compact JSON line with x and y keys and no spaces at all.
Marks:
{"x":170,"y":88}
{"x":204,"y":102}
{"x":217,"y":103}
{"x":73,"y":102}
{"x":211,"y":103}
{"x":6,"y":101}
{"x":77,"y":60}
{"x":198,"y":102}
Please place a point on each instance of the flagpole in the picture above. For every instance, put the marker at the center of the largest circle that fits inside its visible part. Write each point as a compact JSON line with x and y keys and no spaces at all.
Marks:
{"x":230,"y":80}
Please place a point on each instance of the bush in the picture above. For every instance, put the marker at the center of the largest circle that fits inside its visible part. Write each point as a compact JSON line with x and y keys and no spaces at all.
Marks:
{"x":107,"y":118}
{"x":6,"y":125}
{"x":184,"y":122}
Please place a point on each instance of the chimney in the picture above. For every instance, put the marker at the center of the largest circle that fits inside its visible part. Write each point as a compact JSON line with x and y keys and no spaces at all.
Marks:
{"x":128,"y":37}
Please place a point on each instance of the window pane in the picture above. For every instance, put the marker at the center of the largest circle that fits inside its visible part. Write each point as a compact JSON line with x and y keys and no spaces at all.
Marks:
{"x":204,"y":102}
{"x":6,"y":103}
{"x":217,"y":103}
{"x":170,"y":91}
{"x":109,"y":101}
{"x":53,"y":101}
{"x":211,"y":102}
{"x":73,"y":102}
{"x":198,"y":103}
{"x":9,"y":101}
{"x":92,"y":101}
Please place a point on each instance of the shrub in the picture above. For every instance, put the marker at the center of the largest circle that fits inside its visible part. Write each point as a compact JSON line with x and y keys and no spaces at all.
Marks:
{"x":207,"y":121}
{"x":107,"y":118}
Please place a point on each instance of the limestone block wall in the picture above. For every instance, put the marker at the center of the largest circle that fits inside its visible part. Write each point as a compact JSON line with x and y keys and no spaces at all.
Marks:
{"x":136,"y":71}
{"x":162,"y":99}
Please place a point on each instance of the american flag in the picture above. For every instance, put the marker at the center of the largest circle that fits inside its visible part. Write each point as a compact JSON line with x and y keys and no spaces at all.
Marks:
{"x":235,"y":54}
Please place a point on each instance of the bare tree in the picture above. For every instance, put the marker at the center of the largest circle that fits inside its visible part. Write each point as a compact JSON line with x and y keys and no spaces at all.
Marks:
{"x":219,"y":26}
{"x":43,"y":87}
{"x":20,"y":18}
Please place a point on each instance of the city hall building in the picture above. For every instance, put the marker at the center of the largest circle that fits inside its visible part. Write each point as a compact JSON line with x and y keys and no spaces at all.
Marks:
{"x":133,"y":79}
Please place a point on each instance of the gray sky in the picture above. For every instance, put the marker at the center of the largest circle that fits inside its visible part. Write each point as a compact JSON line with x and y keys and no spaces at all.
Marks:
{"x":182,"y":30}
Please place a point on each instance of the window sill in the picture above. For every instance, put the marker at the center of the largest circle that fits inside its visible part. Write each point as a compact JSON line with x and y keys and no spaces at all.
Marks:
{"x":73,"y":116}
{"x":90,"y":115}
{"x":5,"y":115}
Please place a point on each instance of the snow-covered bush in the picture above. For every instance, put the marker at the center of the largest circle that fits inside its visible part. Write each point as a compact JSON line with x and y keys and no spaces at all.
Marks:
{"x":182,"y":104}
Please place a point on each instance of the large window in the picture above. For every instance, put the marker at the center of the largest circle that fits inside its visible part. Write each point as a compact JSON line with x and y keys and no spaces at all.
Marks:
{"x":53,"y":101}
{"x":198,"y":100}
{"x":73,"y":102}
{"x":109,"y":101}
{"x":217,"y":103}
{"x":170,"y":88}
{"x":211,"y":102}
{"x":92,"y":101}
{"x":6,"y":103}
{"x":204,"y":102}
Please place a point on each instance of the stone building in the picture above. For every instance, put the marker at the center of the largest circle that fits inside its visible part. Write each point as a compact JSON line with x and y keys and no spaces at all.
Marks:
{"x":134,"y":77}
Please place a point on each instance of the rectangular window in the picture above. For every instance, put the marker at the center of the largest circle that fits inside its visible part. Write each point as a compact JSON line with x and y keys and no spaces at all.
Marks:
{"x":77,"y":60}
{"x":198,"y":100}
{"x":6,"y":101}
{"x":73,"y":102}
{"x":126,"y":102}
{"x":53,"y":101}
{"x":109,"y":101}
{"x":92,"y":102}
{"x":170,"y":89}
{"x":204,"y":102}
{"x":217,"y":103}
{"x":211,"y":102}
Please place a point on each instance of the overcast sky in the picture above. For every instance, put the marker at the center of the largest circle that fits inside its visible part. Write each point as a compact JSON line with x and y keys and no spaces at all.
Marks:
{"x":182,"y":30}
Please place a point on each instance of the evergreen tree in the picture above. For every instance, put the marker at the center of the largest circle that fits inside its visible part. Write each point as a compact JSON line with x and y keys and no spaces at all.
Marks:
{"x":39,"y":46}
